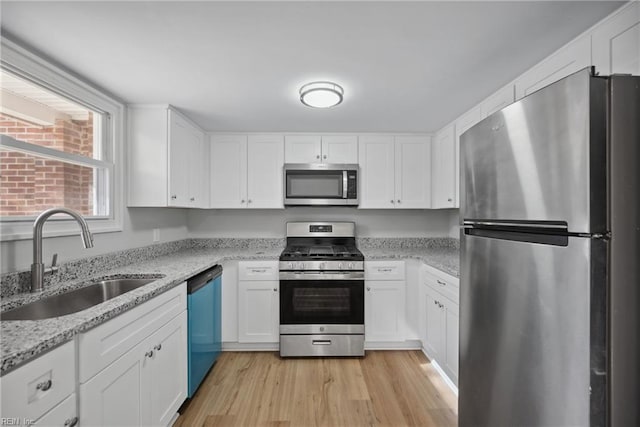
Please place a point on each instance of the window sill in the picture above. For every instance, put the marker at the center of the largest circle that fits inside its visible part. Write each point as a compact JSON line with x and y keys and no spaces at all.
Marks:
{"x":13,"y":231}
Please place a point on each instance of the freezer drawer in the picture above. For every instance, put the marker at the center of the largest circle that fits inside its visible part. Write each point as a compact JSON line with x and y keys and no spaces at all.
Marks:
{"x":526,"y":344}
{"x":540,"y":159}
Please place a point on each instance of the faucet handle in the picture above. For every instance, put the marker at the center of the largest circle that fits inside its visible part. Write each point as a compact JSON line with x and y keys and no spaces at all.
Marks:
{"x":54,"y":267}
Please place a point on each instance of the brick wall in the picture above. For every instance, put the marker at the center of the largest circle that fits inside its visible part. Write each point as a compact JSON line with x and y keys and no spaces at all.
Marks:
{"x":29,"y":184}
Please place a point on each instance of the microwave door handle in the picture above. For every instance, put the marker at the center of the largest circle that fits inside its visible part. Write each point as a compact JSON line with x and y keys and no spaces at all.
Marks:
{"x":344,"y":184}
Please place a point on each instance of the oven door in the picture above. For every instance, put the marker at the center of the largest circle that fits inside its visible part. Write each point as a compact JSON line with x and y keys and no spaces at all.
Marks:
{"x":319,"y":184}
{"x":321,"y":306}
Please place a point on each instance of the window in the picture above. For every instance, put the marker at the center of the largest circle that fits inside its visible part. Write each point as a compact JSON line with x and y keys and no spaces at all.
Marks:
{"x":59,"y":146}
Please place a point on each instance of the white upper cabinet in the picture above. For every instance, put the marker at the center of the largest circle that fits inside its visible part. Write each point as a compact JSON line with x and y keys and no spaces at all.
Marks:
{"x":497,"y":101}
{"x":377,"y":172}
{"x":463,"y":124}
{"x":340,"y":149}
{"x":228,"y":166}
{"x":395,"y":172}
{"x":571,"y":58}
{"x":321,"y":149}
{"x":616,"y":42}
{"x":165,"y":159}
{"x":443,"y":177}
{"x":413,"y":172}
{"x":264,"y":167}
{"x":246,"y":172}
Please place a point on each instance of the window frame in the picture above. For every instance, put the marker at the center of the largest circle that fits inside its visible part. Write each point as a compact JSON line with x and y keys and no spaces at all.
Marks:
{"x":27,"y":65}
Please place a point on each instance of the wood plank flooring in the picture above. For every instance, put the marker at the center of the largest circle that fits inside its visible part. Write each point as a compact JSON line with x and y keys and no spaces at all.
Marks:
{"x":385,"y":388}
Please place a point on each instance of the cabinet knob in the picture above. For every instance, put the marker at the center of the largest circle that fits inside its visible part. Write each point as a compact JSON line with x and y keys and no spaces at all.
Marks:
{"x":275,"y":289}
{"x":249,"y":201}
{"x":149,"y":354}
{"x":392,"y":201}
{"x":173,"y":197}
{"x":398,"y":200}
{"x":71,"y":422}
{"x":44,"y":385}
{"x":242,"y":201}
{"x":449,"y":200}
{"x":368,"y":288}
{"x":158,"y":347}
{"x":318,"y":156}
{"x":440,"y":282}
{"x":193,"y":199}
{"x":325,"y":156}
{"x":435,"y":302}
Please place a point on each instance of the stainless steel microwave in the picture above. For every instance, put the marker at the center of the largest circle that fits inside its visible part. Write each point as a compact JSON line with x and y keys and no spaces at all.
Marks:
{"x":320,"y":184}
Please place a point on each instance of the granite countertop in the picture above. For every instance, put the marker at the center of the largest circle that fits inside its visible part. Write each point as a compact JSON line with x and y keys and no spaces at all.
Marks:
{"x":24,"y":340}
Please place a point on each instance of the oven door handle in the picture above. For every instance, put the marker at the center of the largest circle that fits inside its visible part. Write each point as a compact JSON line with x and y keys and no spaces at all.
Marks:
{"x":296,"y":275}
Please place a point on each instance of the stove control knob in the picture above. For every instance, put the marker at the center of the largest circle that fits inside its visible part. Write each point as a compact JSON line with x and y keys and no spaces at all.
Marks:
{"x":322,"y":265}
{"x":290,"y":265}
{"x":301,"y":266}
{"x":350,"y":266}
{"x":339,"y":266}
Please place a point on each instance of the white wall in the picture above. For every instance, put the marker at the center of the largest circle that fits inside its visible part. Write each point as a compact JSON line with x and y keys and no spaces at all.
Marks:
{"x":138,"y":225}
{"x":454,"y":223}
{"x":271,"y":223}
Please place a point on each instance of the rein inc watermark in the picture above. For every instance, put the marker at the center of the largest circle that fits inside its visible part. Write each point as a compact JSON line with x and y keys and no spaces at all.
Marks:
{"x":15,"y":421}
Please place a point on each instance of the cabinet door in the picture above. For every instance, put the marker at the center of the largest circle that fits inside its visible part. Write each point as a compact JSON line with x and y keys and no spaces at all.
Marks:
{"x":433,"y":325}
{"x":62,"y":415}
{"x":340,"y":149}
{"x":302,"y":149}
{"x":264,"y":168}
{"x":258,"y":311}
{"x":228,"y":171}
{"x":616,"y":43}
{"x":114,"y":397}
{"x":165,"y":377}
{"x":463,"y":124}
{"x":450,"y":331}
{"x":198,"y":171}
{"x":497,"y":101}
{"x":413,"y":172}
{"x":180,"y":144}
{"x":443,"y":179}
{"x":376,"y":159}
{"x":571,"y":58}
{"x":384,"y":311}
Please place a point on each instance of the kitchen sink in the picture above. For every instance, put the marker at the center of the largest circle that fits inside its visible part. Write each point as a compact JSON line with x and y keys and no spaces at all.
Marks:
{"x":76,"y":300}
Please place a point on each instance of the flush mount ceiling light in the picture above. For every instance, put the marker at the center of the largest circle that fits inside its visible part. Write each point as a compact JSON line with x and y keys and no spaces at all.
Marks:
{"x":321,"y":94}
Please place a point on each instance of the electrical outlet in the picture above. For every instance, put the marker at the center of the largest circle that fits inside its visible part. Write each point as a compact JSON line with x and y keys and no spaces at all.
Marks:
{"x":156,"y":234}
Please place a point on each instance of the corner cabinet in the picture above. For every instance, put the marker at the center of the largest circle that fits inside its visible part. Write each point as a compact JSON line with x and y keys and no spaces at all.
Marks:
{"x":258,"y":302}
{"x":395,"y":172}
{"x":246,"y":171}
{"x":166,"y":159}
{"x":321,"y":149}
{"x":439,"y":320}
{"x":133,"y":368}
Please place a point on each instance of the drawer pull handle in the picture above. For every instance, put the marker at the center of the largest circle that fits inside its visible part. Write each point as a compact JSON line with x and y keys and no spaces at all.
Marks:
{"x":149,"y":354}
{"x":44,"y":385}
{"x":158,"y":347}
{"x":259,"y":270}
{"x":71,"y":422}
{"x":385,"y":270}
{"x":321,"y":342}
{"x":441,"y":283}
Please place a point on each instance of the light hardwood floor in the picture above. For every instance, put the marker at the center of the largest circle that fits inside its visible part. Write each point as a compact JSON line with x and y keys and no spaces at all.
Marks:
{"x":386,"y":388}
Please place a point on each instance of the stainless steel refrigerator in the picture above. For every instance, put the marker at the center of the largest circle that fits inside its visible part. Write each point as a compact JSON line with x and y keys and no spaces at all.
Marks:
{"x":550,"y":256}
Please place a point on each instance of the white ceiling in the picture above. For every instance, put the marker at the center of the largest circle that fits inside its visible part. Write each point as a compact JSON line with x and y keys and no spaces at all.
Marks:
{"x":237,"y":66}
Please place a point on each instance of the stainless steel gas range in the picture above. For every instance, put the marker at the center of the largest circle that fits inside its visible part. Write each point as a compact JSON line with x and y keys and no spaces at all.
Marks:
{"x":321,"y":291}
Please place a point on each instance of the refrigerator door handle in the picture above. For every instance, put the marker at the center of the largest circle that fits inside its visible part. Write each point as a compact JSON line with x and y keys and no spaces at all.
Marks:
{"x":546,"y":224}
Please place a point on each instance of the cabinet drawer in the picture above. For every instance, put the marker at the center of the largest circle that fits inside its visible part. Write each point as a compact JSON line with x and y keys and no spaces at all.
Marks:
{"x":102,"y":345}
{"x":258,"y":270}
{"x":35,"y":388}
{"x":441,"y":282}
{"x":65,"y":414}
{"x":384,"y":270}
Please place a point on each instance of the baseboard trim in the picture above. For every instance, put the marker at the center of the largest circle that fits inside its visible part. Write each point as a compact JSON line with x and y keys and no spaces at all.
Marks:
{"x":395,"y":345}
{"x":444,"y":376}
{"x":261,"y":346}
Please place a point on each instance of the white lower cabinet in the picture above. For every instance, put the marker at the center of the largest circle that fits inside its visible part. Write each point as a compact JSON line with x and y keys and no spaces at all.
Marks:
{"x":62,"y":415}
{"x":439,"y":312}
{"x":258,"y":302}
{"x":385,"y":301}
{"x":145,"y":381}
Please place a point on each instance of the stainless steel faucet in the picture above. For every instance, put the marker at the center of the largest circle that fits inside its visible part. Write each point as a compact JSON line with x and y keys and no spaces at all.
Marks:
{"x":37,"y":268}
